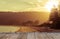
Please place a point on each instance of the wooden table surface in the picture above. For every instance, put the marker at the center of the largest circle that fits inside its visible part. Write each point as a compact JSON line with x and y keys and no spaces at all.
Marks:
{"x":30,"y":35}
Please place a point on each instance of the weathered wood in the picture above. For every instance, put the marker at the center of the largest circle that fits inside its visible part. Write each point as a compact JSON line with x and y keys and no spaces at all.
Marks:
{"x":31,"y":35}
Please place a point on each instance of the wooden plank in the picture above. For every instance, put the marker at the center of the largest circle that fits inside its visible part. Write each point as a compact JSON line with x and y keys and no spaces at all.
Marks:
{"x":13,"y":36}
{"x":31,"y":35}
{"x":24,"y":36}
{"x":1,"y":35}
{"x":10,"y":36}
{"x":20,"y":35}
{"x":41,"y":36}
{"x":55,"y":35}
{"x":49,"y":36}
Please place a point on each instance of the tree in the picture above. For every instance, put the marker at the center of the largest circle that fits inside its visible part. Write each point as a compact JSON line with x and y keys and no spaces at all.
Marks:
{"x":54,"y":18}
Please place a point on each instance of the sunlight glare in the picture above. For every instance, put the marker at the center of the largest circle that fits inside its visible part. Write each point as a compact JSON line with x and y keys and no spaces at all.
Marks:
{"x":50,"y":4}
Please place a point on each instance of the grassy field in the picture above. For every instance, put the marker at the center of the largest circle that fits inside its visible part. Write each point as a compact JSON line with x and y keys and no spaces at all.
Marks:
{"x":8,"y":29}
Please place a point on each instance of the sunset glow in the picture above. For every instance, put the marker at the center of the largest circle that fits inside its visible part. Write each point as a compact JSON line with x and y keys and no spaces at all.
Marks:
{"x":27,"y":5}
{"x":28,"y":13}
{"x":50,"y":4}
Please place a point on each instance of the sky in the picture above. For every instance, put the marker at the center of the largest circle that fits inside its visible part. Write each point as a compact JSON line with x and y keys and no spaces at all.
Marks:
{"x":22,"y":5}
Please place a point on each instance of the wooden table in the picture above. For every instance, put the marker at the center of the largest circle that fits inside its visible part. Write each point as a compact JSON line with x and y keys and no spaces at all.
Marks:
{"x":30,"y":35}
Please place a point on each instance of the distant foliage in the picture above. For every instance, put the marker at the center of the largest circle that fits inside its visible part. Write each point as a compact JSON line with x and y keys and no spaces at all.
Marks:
{"x":31,"y":23}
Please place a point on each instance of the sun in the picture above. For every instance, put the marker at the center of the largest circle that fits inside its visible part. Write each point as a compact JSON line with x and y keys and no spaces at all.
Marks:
{"x":49,"y":5}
